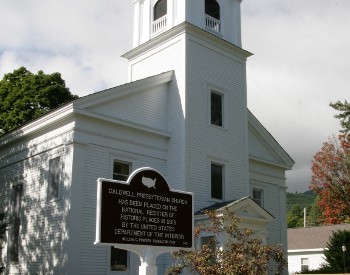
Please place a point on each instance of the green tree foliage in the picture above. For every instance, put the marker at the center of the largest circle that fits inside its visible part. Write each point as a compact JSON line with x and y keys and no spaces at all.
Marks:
{"x":344,"y":116}
{"x":305,"y":199}
{"x":295,"y":217}
{"x":242,"y":254}
{"x":314,"y":216}
{"x":334,"y":254}
{"x":296,"y":202}
{"x":3,"y":228}
{"x":25,"y":96}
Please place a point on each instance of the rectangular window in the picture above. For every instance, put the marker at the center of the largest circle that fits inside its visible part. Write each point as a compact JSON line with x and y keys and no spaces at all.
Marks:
{"x":121,"y":170}
{"x":15,"y":222}
{"x":209,"y":240}
{"x":217,"y":181}
{"x":304,"y":264}
{"x":119,"y":257}
{"x":258,"y":196}
{"x":54,"y":179}
{"x":216,"y":109}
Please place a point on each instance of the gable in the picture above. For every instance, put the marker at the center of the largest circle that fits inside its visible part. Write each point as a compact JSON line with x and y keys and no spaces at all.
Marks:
{"x":263,"y":147}
{"x":148,"y":108}
{"x":142,"y":102}
{"x":245,"y":208}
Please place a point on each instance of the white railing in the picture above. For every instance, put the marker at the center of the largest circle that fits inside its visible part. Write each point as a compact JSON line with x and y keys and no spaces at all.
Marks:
{"x":159,"y":24}
{"x":212,"y":24}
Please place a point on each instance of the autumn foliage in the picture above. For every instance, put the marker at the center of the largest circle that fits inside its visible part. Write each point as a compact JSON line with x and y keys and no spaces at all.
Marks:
{"x":242,"y":254}
{"x":331,"y":179}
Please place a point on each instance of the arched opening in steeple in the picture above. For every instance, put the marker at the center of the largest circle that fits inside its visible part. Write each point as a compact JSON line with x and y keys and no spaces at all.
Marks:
{"x":212,"y":8}
{"x":212,"y":16}
{"x":160,"y":9}
{"x":159,"y":16}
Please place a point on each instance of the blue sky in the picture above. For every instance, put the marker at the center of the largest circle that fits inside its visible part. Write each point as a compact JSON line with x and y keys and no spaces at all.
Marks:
{"x":301,"y":59}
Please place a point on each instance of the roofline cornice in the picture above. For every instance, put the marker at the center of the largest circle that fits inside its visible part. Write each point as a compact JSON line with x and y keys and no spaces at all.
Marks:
{"x":124,"y":90}
{"x":38,"y":124}
{"x":186,"y":27}
{"x":90,"y":114}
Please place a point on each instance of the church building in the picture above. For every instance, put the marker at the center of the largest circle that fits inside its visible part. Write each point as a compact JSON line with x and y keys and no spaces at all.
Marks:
{"x":183,"y":112}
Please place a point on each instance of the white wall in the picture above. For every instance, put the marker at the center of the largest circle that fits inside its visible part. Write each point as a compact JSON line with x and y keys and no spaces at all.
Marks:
{"x":212,"y":68}
{"x":43,"y":229}
{"x":315,"y":257}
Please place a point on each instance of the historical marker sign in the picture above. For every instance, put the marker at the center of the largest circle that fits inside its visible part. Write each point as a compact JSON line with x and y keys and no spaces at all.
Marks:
{"x":143,"y":211}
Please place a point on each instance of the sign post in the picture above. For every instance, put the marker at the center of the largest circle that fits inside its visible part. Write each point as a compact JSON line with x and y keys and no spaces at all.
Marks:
{"x":144,"y":216}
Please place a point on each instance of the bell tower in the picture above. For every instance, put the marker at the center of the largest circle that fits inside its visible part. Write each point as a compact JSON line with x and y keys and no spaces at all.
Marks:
{"x":199,"y":41}
{"x":220,"y":17}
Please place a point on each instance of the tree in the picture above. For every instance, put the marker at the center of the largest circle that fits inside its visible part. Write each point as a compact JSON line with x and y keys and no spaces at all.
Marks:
{"x":344,"y":116}
{"x":334,"y":253}
{"x":3,"y":228}
{"x":25,"y":96}
{"x":331,"y":171}
{"x":295,"y":218}
{"x":331,"y":179}
{"x":242,"y":254}
{"x":314,"y":216}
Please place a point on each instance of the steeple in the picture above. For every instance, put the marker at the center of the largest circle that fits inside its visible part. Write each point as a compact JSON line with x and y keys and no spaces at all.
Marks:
{"x":220,"y":17}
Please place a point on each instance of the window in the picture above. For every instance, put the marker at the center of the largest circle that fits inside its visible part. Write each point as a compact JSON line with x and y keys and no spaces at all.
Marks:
{"x":160,"y":9}
{"x":304,"y":264}
{"x":121,"y":170}
{"x":212,"y":8}
{"x":119,"y":257}
{"x":54,"y":179}
{"x":15,"y":222}
{"x":210,"y":241}
{"x":216,"y":108}
{"x":258,"y":196}
{"x":217,"y":181}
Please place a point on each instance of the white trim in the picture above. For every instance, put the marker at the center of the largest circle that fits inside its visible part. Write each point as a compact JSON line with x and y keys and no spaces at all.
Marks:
{"x":306,"y":250}
{"x":116,"y":121}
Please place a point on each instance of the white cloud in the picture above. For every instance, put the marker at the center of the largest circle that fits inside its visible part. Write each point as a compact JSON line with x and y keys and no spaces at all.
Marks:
{"x":301,"y":64}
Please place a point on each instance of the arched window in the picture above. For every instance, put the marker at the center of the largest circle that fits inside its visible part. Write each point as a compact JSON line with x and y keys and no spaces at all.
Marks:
{"x":160,"y":9}
{"x":212,"y":8}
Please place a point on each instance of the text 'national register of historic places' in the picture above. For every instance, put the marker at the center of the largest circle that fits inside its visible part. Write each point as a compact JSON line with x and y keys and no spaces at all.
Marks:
{"x":143,"y":211}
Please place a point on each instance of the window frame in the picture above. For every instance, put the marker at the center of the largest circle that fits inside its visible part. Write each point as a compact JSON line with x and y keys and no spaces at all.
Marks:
{"x":224,"y":97}
{"x":49,"y":188}
{"x":110,"y":249}
{"x":124,"y":175}
{"x":262,"y":199}
{"x":159,"y":2}
{"x":113,"y":160}
{"x":14,"y":219}
{"x":303,"y":266}
{"x":217,"y":10}
{"x":223,"y":180}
